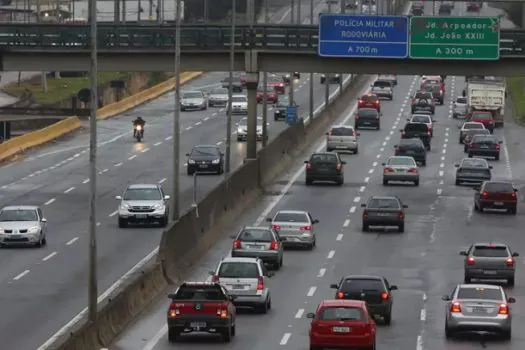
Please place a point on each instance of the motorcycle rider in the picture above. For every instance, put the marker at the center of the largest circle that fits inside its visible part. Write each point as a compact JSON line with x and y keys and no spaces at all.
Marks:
{"x":137,"y":122}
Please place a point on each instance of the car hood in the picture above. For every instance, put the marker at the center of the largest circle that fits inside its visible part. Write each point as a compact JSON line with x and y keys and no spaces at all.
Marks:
{"x":193,"y":100}
{"x":18,"y":225}
{"x":142,"y":203}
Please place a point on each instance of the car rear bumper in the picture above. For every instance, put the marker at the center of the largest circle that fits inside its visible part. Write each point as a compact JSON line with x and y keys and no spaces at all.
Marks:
{"x":206,"y":324}
{"x":342,"y":145}
{"x":340,"y":341}
{"x":469,"y":178}
{"x":295,"y":240}
{"x":383,"y":222}
{"x":482,"y":152}
{"x":401,"y":177}
{"x":492,"y":204}
{"x":367,"y":123}
{"x":265,"y":256}
{"x":473,"y":324}
{"x":489,"y":273}
{"x":330,"y":176}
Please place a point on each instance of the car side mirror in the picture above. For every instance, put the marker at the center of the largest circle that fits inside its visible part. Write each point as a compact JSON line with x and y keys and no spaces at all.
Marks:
{"x":327,"y":133}
{"x":456,"y":165}
{"x":515,"y":254}
{"x":232,"y":297}
{"x":171,"y":295}
{"x":363,"y":205}
{"x":306,"y":162}
{"x":401,"y":130}
{"x":464,"y":253}
{"x":476,"y":189}
{"x":166,"y":197}
{"x":310,"y":315}
{"x":334,"y":286}
{"x":270,"y":274}
{"x":383,"y":164}
{"x":434,"y":121}
{"x":393,"y":287}
{"x":118,"y":198}
{"x":316,"y":221}
{"x":446,"y":298}
{"x":343,"y":162}
{"x":233,"y":236}
{"x":515,"y":190}
{"x":491,"y":167}
{"x":408,"y":119}
{"x":187,"y":154}
{"x":405,"y":206}
{"x":211,"y":273}
{"x":268,"y":219}
{"x":44,"y":220}
{"x":511,"y":300}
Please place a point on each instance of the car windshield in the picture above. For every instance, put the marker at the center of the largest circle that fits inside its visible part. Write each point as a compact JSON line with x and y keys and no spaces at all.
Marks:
{"x":484,"y":139}
{"x":382,"y":83}
{"x":19,"y":215}
{"x":482,"y":116}
{"x":253,"y":235}
{"x":238,"y":270}
{"x":498,"y":187}
{"x":341,"y":131}
{"x":369,"y":98}
{"x":290,"y":217}
{"x":474,"y":163}
{"x":383,"y":203}
{"x":490,"y":251}
{"x":357,"y":285}
{"x":401,"y":161}
{"x":341,"y":314}
{"x":195,"y":94}
{"x":479,"y":293}
{"x":461,"y":100}
{"x":473,"y":126}
{"x":367,"y":112}
{"x":201,"y":292}
{"x":416,"y":127}
{"x":221,"y":91}
{"x":323,"y":159}
{"x":142,"y":194}
{"x":204,"y":151}
{"x":239,"y":99}
{"x":421,"y":119}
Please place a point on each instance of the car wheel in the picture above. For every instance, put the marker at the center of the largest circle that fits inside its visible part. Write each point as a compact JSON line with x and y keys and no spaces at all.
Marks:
{"x":263,"y":308}
{"x":506,"y":335}
{"x":280,"y":262}
{"x":470,"y":155}
{"x":173,"y":335}
{"x":510,"y":282}
{"x":465,"y":149}
{"x":122,"y":223}
{"x":39,"y":243}
{"x":467,"y":279}
{"x":314,"y":348}
{"x":401,"y":228}
{"x":458,"y":182}
{"x":388,"y":318}
{"x":269,"y":303}
{"x":356,"y":151}
{"x":163,"y":222}
{"x":429,"y":148}
{"x":416,"y":183}
{"x":424,"y":163}
{"x":227,"y":334}
{"x":378,"y":127}
{"x":448,"y":332}
{"x":356,"y":126}
{"x":233,"y":330}
{"x":44,"y":240}
{"x":513,"y":210}
{"x":365,"y":227}
{"x":340,"y":181}
{"x":385,"y":182}
{"x":190,"y":172}
{"x":496,"y":157}
{"x":328,"y":149}
{"x":308,"y":182}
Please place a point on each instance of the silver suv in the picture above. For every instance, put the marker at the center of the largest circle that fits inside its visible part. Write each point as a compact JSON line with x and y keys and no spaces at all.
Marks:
{"x":143,"y":203}
{"x":247,"y":280}
{"x":295,"y":227}
{"x":259,"y":242}
{"x":22,"y":225}
{"x":342,"y":137}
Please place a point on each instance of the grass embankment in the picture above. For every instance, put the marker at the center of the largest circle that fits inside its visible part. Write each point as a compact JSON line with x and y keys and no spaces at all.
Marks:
{"x":516,"y":87}
{"x":59,"y":89}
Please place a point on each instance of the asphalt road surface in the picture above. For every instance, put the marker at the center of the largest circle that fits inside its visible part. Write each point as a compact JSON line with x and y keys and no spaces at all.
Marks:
{"x":423,"y":262}
{"x":43,"y":289}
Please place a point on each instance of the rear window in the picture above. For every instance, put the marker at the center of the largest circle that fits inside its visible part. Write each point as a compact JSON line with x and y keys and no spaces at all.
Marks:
{"x":401,"y":161}
{"x":484,"y":116}
{"x":382,"y":83}
{"x":492,"y":252}
{"x":498,"y":187}
{"x":383,"y":203}
{"x":360,"y":285}
{"x":238,"y":270}
{"x":323,"y":158}
{"x":474,"y":132}
{"x":474,"y":163}
{"x":341,"y":314}
{"x":416,"y":127}
{"x":423,"y":95}
{"x":484,"y":139}
{"x":255,"y":236}
{"x":290,"y":217}
{"x":342,"y":132}
{"x":461,"y":100}
{"x":473,"y":126}
{"x":410,"y":142}
{"x":479,"y":293}
{"x":421,"y":119}
{"x":367,"y":112}
{"x":369,"y":98}
{"x":201,"y":292}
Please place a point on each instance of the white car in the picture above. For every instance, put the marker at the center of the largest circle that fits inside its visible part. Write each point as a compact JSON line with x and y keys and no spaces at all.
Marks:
{"x":239,"y":104}
{"x":469,"y":126}
{"x":193,"y":100}
{"x":383,"y":88}
{"x":144,"y":203}
{"x":388,"y":77}
{"x":425,"y":119}
{"x":242,"y":129}
{"x":22,"y":225}
{"x":460,"y":107}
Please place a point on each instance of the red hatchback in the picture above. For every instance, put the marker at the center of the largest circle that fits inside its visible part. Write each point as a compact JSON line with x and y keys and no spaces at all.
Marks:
{"x":342,"y":324}
{"x":369,"y":101}
{"x":496,"y":195}
{"x":277,"y":84}
{"x":485,"y":118}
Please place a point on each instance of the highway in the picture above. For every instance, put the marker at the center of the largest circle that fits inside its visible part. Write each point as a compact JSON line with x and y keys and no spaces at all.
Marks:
{"x":423,"y":262}
{"x":50,"y":283}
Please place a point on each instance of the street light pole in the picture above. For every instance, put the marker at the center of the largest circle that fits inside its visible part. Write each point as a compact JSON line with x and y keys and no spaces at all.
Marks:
{"x":291,"y":92}
{"x":341,"y":77}
{"x":92,"y":274}
{"x":311,"y":98}
{"x":227,"y":160}
{"x":328,"y":75}
{"x":265,"y":87}
{"x":176,"y":121}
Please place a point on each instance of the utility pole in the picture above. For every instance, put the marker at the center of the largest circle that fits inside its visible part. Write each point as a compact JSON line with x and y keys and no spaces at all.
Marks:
{"x":92,"y":280}
{"x":227,"y":159}
{"x":265,"y":87}
{"x":328,"y":75}
{"x":291,"y":92}
{"x":176,"y":121}
{"x":341,"y":76}
{"x":311,"y":86}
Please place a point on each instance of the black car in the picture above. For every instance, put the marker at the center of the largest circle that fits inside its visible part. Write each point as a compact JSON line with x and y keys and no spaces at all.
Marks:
{"x":469,"y":134}
{"x":279,"y":109}
{"x":485,"y":146}
{"x":496,"y":195}
{"x":237,"y":84}
{"x":376,"y":291}
{"x":326,"y":166}
{"x":414,"y":148}
{"x":368,"y":118}
{"x":287,"y":80}
{"x":423,"y":101}
{"x":445,"y":9}
{"x":473,"y":170}
{"x":419,"y":131}
{"x":384,"y":211}
{"x":332,"y":78}
{"x":204,"y":159}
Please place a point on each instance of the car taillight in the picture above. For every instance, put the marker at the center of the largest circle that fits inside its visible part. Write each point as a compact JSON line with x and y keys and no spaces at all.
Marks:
{"x":222,"y":313}
{"x":365,"y":213}
{"x":330,"y":133}
{"x":274,"y":245}
{"x":340,"y":295}
{"x":388,"y":170}
{"x":281,"y":85}
{"x":471,"y":261}
{"x":377,"y":117}
{"x":260,"y":284}
{"x":356,"y":117}
{"x":236,"y":244}
{"x":308,"y":166}
{"x":215,"y":279}
{"x":276,"y":227}
{"x":471,"y":145}
{"x":173,"y":311}
{"x":384,"y":296}
{"x":440,"y":92}
{"x":397,"y":149}
{"x":509,"y":262}
{"x":497,"y":147}
{"x":361,"y":101}
{"x":412,"y":170}
{"x":377,"y":103}
{"x":403,"y":133}
{"x":455,"y":307}
{"x":428,"y":133}
{"x":484,"y":195}
{"x":401,"y":215}
{"x":513,"y":195}
{"x":338,"y":166}
{"x":413,"y":100}
{"x":503,"y":309}
{"x":306,"y":228}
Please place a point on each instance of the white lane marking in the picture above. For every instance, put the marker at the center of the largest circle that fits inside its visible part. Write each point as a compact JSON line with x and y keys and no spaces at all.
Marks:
{"x":423,"y":315}
{"x":362,"y":189}
{"x":189,"y":128}
{"x":162,"y":180}
{"x":198,"y":123}
{"x":98,"y":224}
{"x":157,"y":143}
{"x":419,"y":345}
{"x":357,"y":199}
{"x":69,"y":190}
{"x":71,"y":241}
{"x":441,"y":173}
{"x":205,"y":119}
{"x":374,"y":164}
{"x":311,"y":291}
{"x":150,"y":345}
{"x":219,"y":143}
{"x":346,"y":223}
{"x":50,"y":201}
{"x":381,"y":149}
{"x":113,"y":214}
{"x":299,"y":313}
{"x":85,"y":181}
{"x":285,"y":338}
{"x":339,"y":237}
{"x":439,"y":191}
{"x":19,"y":276}
{"x":371,"y":171}
{"x":352,"y":209}
{"x":367,"y":178}
{"x":321,"y":272}
{"x":331,"y":254}
{"x":49,"y":256}
{"x":145,"y":150}
{"x":168,"y":138}
{"x":442,"y":165}
{"x":384,"y":143}
{"x":132,"y":157}
{"x":444,"y":151}
{"x":118,"y":164}
{"x":378,"y":156}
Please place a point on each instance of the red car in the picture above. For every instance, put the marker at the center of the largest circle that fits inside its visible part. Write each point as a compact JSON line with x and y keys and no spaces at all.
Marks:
{"x":277,"y":84}
{"x":485,"y":118}
{"x":342,"y":323}
{"x":369,"y":101}
{"x":271,"y":95}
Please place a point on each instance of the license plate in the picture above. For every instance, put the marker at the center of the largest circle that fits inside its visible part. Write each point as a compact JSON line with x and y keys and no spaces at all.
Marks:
{"x":498,"y":203}
{"x":400,"y":170}
{"x":203,"y":166}
{"x":341,"y":329}
{"x":258,"y":247}
{"x":15,"y":236}
{"x":479,"y":310}
{"x":198,"y":324}
{"x":238,"y":286}
{"x":383,"y":214}
{"x":366,"y":123}
{"x":489,"y":272}
{"x":141,"y":216}
{"x":484,"y":146}
{"x":341,"y":146}
{"x":411,"y":152}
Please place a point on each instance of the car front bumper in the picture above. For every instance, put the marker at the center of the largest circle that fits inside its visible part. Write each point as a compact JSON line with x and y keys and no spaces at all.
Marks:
{"x":19,"y":239}
{"x":142,"y":217}
{"x":204,"y":167}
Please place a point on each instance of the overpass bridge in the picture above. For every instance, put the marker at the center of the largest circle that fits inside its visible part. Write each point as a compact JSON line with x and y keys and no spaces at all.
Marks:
{"x":271,"y":48}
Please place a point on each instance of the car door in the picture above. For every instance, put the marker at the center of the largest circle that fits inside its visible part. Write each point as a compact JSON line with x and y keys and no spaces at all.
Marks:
{"x":40,"y":217}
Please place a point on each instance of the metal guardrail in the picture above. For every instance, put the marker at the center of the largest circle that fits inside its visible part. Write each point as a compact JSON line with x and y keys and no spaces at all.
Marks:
{"x":196,"y":38}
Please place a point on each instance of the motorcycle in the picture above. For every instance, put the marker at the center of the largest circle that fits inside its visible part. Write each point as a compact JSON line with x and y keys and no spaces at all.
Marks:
{"x":139,"y":132}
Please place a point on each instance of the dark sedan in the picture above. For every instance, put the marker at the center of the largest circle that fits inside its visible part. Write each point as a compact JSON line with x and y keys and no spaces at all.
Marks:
{"x":485,"y":146}
{"x":205,"y":159}
{"x":473,"y":170}
{"x":469,"y":134}
{"x":367,"y":118}
{"x":279,"y":108}
{"x":384,"y":211}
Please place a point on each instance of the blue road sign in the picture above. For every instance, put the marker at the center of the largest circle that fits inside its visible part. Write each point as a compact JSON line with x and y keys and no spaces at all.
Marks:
{"x":291,"y":115}
{"x":363,"y":36}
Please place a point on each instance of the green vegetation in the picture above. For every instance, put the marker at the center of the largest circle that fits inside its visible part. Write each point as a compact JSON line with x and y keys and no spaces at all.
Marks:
{"x":59,"y":89}
{"x":516,"y":87}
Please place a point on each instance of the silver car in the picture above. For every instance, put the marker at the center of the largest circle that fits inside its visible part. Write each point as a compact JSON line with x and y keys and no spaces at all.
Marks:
{"x":400,"y":168}
{"x":460,"y":107}
{"x":218,"y":97}
{"x":193,"y":100}
{"x":295,"y":227}
{"x":239,"y":104}
{"x":388,"y":77}
{"x":468,"y":126}
{"x":478,"y":308}
{"x":342,"y":137}
{"x":143,"y":203}
{"x":247,"y":280}
{"x":242,"y":129}
{"x":425,"y":119}
{"x":259,"y":242}
{"x":22,"y":225}
{"x":492,"y":261}
{"x":383,"y":89}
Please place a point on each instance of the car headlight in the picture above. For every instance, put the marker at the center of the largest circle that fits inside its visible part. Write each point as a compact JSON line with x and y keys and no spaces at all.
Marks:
{"x":216,"y":161}
{"x":1,"y":231}
{"x":323,"y":76}
{"x":158,"y":206}
{"x":124,"y":206}
{"x":191,"y":161}
{"x":240,"y":131}
{"x":33,"y":230}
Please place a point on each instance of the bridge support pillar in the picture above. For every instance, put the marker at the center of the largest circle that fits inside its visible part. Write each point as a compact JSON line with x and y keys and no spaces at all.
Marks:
{"x":252,"y":82}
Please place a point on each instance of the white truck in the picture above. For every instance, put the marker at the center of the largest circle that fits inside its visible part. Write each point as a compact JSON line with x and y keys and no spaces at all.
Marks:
{"x":487,"y":94}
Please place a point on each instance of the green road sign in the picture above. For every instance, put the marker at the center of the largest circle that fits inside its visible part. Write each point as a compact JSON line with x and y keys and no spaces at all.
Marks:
{"x":454,"y":38}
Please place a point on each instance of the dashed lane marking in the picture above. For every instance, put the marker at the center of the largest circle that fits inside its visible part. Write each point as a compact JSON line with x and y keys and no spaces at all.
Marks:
{"x":71,"y":241}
